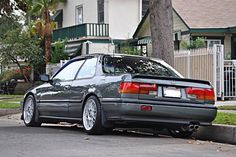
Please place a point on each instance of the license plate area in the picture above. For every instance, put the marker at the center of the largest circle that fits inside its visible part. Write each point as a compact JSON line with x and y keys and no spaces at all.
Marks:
{"x":171,"y":92}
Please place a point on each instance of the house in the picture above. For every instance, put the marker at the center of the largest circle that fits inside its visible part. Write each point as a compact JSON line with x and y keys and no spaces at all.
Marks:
{"x":97,"y":25}
{"x":214,"y":20}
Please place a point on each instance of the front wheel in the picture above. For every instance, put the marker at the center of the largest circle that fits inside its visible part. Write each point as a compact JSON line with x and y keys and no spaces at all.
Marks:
{"x":92,"y":116}
{"x":29,"y":109}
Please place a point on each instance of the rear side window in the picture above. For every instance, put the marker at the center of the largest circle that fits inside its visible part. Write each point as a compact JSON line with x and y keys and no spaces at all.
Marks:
{"x":88,"y":69}
{"x":136,"y":65}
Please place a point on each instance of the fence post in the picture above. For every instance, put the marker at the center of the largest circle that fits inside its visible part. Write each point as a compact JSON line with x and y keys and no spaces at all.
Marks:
{"x":188,"y":63}
{"x":214,"y":71}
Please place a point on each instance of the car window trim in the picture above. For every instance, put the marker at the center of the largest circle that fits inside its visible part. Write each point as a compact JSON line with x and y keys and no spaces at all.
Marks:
{"x":81,"y":68}
{"x":68,"y":63}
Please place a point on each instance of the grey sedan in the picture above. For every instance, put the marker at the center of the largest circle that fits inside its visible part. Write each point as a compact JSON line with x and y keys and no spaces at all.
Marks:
{"x":106,"y":91}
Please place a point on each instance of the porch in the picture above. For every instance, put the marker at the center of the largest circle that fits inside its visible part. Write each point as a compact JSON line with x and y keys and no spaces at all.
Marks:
{"x":81,"y":31}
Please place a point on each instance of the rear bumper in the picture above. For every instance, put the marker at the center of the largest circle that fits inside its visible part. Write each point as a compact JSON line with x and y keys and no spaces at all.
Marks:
{"x":164,"y":113}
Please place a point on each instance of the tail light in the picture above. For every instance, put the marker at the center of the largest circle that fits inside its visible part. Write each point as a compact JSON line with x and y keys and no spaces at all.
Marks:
{"x":138,"y":88}
{"x":201,"y":94}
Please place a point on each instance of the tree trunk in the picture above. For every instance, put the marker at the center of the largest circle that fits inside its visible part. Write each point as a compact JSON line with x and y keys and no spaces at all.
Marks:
{"x":22,"y":72}
{"x":47,"y":36}
{"x":161,"y":25}
{"x":14,"y":60}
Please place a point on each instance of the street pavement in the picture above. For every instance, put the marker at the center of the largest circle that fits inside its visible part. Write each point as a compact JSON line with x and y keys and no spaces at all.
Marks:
{"x":16,"y":140}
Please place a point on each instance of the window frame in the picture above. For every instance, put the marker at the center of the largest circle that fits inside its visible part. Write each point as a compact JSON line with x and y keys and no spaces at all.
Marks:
{"x":67,"y":64}
{"x":212,"y":40}
{"x":76,"y":14}
{"x":96,"y":67}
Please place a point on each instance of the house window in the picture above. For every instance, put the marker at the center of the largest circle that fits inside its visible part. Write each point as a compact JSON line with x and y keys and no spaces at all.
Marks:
{"x":212,"y":42}
{"x":145,"y":6}
{"x":100,"y":11}
{"x":58,"y":18}
{"x":79,"y":15}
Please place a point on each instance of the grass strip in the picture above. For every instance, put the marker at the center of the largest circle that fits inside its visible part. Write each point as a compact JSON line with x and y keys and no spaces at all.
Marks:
{"x":225,"y":118}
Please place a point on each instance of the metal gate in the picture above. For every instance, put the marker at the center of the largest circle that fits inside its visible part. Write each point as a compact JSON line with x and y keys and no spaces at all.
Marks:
{"x":229,"y":79}
{"x":225,"y":81}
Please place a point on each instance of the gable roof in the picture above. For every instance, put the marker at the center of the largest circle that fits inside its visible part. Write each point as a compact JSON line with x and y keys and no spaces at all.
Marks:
{"x":203,"y":15}
{"x":207,"y":13}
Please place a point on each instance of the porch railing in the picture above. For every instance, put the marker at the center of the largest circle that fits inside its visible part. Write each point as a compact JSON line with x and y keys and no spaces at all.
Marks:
{"x":83,"y":30}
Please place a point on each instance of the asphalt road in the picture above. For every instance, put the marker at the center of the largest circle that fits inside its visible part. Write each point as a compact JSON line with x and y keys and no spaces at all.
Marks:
{"x":16,"y":140}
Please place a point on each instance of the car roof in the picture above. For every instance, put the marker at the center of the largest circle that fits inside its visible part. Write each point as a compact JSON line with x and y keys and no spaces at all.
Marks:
{"x":115,"y":55}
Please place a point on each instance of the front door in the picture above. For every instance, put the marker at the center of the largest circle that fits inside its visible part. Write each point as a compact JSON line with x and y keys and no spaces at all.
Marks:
{"x":83,"y":82}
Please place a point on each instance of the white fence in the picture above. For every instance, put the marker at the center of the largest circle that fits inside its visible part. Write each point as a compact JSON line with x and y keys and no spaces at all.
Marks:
{"x":203,"y":64}
{"x":196,"y":64}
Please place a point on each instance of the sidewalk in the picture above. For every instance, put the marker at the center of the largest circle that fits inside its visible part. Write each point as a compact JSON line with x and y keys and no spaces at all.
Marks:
{"x":4,"y":112}
{"x":225,"y":103}
{"x":228,"y":111}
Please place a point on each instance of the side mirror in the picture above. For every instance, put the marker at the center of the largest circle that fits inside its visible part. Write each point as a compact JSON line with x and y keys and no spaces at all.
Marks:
{"x":44,"y":78}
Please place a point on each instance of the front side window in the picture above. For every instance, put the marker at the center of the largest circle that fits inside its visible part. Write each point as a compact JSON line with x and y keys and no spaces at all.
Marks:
{"x":79,"y":15}
{"x":68,"y":73}
{"x":88,"y":69}
{"x":136,"y":65}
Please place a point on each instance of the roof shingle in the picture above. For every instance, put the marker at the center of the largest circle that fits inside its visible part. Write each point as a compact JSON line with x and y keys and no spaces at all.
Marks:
{"x":207,"y":13}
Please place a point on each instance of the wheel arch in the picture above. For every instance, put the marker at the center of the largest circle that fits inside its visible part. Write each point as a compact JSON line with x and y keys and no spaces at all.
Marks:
{"x":36,"y":111}
{"x":86,"y":98}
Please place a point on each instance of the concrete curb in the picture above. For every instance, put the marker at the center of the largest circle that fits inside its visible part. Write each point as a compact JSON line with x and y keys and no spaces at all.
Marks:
{"x":217,"y":133}
{"x":4,"y":112}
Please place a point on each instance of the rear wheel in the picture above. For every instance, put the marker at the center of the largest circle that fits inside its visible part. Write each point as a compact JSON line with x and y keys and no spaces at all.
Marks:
{"x":29,"y":110}
{"x":180,"y":133}
{"x":92,"y":116}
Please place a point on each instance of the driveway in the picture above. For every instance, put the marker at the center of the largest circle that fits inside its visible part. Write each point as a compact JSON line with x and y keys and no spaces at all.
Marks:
{"x":70,"y":141}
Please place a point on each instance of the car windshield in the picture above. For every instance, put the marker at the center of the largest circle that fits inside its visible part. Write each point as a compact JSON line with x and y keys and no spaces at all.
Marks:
{"x":136,"y":65}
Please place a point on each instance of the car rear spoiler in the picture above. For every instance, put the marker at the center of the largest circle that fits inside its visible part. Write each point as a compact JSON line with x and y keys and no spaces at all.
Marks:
{"x":170,"y":78}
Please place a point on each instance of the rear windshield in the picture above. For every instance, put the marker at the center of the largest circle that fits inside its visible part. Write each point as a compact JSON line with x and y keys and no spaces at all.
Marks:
{"x":136,"y":65}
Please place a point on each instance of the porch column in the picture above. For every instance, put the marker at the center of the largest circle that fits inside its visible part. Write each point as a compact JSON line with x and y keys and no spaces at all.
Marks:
{"x":227,"y":45}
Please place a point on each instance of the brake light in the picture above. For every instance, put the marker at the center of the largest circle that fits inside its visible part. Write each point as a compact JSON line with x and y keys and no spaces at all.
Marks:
{"x":138,"y":88}
{"x":201,"y":94}
{"x":129,"y":88}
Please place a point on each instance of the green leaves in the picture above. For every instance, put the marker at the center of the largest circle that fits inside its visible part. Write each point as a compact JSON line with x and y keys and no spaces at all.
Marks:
{"x":195,"y":44}
{"x":18,"y":46}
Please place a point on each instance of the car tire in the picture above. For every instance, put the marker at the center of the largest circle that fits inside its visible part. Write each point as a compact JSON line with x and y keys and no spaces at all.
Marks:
{"x":92,"y":120}
{"x":29,"y":112}
{"x":180,"y":133}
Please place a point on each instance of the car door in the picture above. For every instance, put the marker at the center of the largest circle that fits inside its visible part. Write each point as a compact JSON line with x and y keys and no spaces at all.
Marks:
{"x":55,"y":96}
{"x":82,"y":84}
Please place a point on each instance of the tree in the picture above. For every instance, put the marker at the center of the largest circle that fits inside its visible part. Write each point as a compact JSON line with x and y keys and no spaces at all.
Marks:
{"x":161,"y":25}
{"x":8,"y":23}
{"x":8,"y":6}
{"x":43,"y":8}
{"x":17,"y":46}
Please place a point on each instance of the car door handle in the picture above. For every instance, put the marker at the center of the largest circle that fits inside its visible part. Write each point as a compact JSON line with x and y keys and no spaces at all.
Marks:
{"x":67,"y":87}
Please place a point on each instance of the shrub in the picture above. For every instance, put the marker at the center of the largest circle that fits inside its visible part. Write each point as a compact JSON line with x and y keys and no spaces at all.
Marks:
{"x":195,"y":44}
{"x":58,"y":52}
{"x":15,"y":74}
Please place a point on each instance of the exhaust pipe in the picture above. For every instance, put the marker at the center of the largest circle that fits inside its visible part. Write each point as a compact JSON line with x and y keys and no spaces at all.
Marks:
{"x":196,"y":127}
{"x":190,"y":127}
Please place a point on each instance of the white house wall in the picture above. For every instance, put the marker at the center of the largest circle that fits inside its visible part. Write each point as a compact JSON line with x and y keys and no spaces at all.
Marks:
{"x":69,"y":9}
{"x":123,"y":17}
